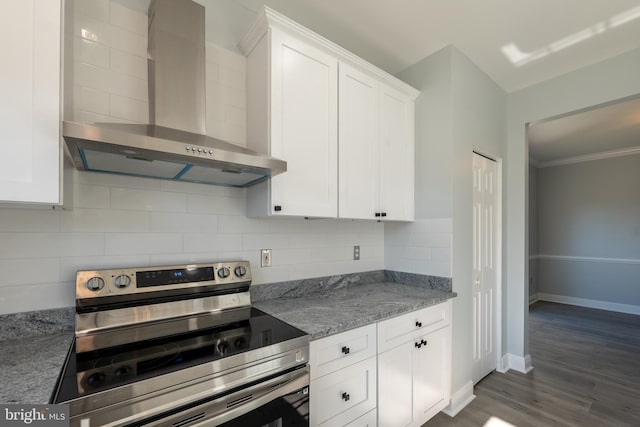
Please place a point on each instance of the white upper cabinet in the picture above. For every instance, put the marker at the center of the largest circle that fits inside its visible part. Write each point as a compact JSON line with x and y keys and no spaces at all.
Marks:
{"x":307,"y":99}
{"x":359,"y":144}
{"x":300,"y":103}
{"x":30,"y":150}
{"x":396,"y":155}
{"x":376,"y":149}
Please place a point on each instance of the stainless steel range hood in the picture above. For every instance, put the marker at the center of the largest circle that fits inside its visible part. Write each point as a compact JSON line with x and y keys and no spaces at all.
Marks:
{"x":174,"y":145}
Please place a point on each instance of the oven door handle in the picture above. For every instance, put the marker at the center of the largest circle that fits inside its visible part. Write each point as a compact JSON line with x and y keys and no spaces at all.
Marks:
{"x":236,"y":404}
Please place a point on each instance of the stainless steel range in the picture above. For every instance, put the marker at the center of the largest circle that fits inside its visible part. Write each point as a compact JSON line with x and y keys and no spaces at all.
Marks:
{"x":181,"y":346}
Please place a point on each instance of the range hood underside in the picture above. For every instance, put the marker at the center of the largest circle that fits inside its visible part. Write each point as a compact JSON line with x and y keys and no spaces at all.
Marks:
{"x":155,"y":152}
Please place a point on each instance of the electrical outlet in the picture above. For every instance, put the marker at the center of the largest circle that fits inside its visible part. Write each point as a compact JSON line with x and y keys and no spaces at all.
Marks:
{"x":356,"y":253}
{"x":265,"y":258}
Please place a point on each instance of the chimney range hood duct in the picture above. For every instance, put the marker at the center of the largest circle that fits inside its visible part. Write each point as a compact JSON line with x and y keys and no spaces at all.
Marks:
{"x":174,"y":145}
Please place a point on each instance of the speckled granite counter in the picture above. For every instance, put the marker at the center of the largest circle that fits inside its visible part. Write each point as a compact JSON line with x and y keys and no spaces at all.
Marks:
{"x":30,"y":367}
{"x":33,"y":345}
{"x":326,"y":313}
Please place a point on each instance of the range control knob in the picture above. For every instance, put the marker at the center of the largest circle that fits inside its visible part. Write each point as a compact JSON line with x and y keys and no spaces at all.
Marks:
{"x":223,"y":347}
{"x":122,"y":281}
{"x":223,"y":273}
{"x":95,"y":283}
{"x":240,"y":270}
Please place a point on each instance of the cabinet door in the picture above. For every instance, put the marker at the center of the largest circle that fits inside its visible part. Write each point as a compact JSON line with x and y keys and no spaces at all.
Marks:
{"x":304,"y":91}
{"x":431,"y":375}
{"x":30,"y":104}
{"x":359,"y":144}
{"x":395,"y":378}
{"x":343,"y":396}
{"x":396,"y":155}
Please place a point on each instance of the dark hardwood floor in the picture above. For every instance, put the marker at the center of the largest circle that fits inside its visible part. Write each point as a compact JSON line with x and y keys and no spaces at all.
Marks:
{"x":586,"y":373}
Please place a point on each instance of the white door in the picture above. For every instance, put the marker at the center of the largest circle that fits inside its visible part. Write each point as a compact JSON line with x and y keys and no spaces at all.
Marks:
{"x":304,"y":129}
{"x":485,"y":205}
{"x":359,"y":142}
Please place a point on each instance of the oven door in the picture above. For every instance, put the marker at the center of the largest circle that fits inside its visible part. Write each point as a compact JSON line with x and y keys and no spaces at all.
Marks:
{"x":282,"y":401}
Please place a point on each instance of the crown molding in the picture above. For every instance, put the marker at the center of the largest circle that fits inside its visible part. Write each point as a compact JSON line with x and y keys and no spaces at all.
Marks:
{"x":269,"y":18}
{"x":590,"y":157}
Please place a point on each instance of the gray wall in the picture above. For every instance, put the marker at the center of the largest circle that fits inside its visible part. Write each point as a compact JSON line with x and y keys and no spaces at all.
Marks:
{"x":602,"y":82}
{"x":589,"y":230}
{"x":533,"y":230}
{"x":460,"y":109}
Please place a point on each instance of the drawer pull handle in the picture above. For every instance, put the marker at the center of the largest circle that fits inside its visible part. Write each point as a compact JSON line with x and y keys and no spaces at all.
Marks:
{"x":423,"y":342}
{"x":345,"y":396}
{"x":418,"y":344}
{"x":346,"y":350}
{"x":418,"y":324}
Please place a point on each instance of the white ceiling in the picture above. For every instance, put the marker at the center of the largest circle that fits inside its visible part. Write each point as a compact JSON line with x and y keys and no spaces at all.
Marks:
{"x":546,"y":37}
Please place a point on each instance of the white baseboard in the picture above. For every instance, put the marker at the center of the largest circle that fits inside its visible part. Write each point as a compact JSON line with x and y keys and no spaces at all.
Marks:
{"x":582,"y":302}
{"x":460,"y":399}
{"x":517,"y":363}
{"x":534,"y":298}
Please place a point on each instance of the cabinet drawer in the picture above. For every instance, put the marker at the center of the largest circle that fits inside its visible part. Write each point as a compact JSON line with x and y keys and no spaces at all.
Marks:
{"x":338,"y":351}
{"x":345,"y":395}
{"x":370,"y":419}
{"x":403,"y":328}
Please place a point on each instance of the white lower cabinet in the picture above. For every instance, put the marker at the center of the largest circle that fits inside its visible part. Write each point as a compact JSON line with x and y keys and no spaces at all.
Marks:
{"x":370,"y":419}
{"x":394,"y":373}
{"x":414,"y":376}
{"x":343,"y":378}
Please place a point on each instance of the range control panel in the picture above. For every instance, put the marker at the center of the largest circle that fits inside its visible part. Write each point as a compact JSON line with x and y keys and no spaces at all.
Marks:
{"x":131,"y":281}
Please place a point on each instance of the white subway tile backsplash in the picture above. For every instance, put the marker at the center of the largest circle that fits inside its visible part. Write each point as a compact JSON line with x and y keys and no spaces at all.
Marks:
{"x":167,"y":222}
{"x":90,"y":196}
{"x":421,"y":247}
{"x":309,"y":240}
{"x":270,"y":275}
{"x":266,"y":241}
{"x":128,"y":86}
{"x":91,"y":100}
{"x":184,"y":258}
{"x":287,"y":225}
{"x":129,"y":108}
{"x":241,"y":224}
{"x":433,"y":240}
{"x":81,"y":220}
{"x":128,"y":64}
{"x":341,"y":253}
{"x":45,"y":245}
{"x":212,"y":242}
{"x":129,"y":19}
{"x":90,"y":52}
{"x":143,"y":243}
{"x":94,"y":9}
{"x":29,"y":271}
{"x":200,"y":203}
{"x":148,"y":200}
{"x":289,"y":256}
{"x":89,"y":75}
{"x":29,"y":220}
{"x":71,"y":265}
{"x":19,"y":298}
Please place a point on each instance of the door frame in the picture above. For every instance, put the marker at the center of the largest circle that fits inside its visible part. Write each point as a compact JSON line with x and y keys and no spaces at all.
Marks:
{"x":499,"y":285}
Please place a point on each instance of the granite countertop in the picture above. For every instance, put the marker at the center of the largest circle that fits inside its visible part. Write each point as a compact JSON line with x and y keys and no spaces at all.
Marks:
{"x":29,"y":367}
{"x":326,"y":313}
{"x":33,"y":345}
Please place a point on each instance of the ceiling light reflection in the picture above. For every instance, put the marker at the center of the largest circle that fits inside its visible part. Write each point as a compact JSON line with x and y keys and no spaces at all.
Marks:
{"x":624,"y":17}
{"x":519,"y":58}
